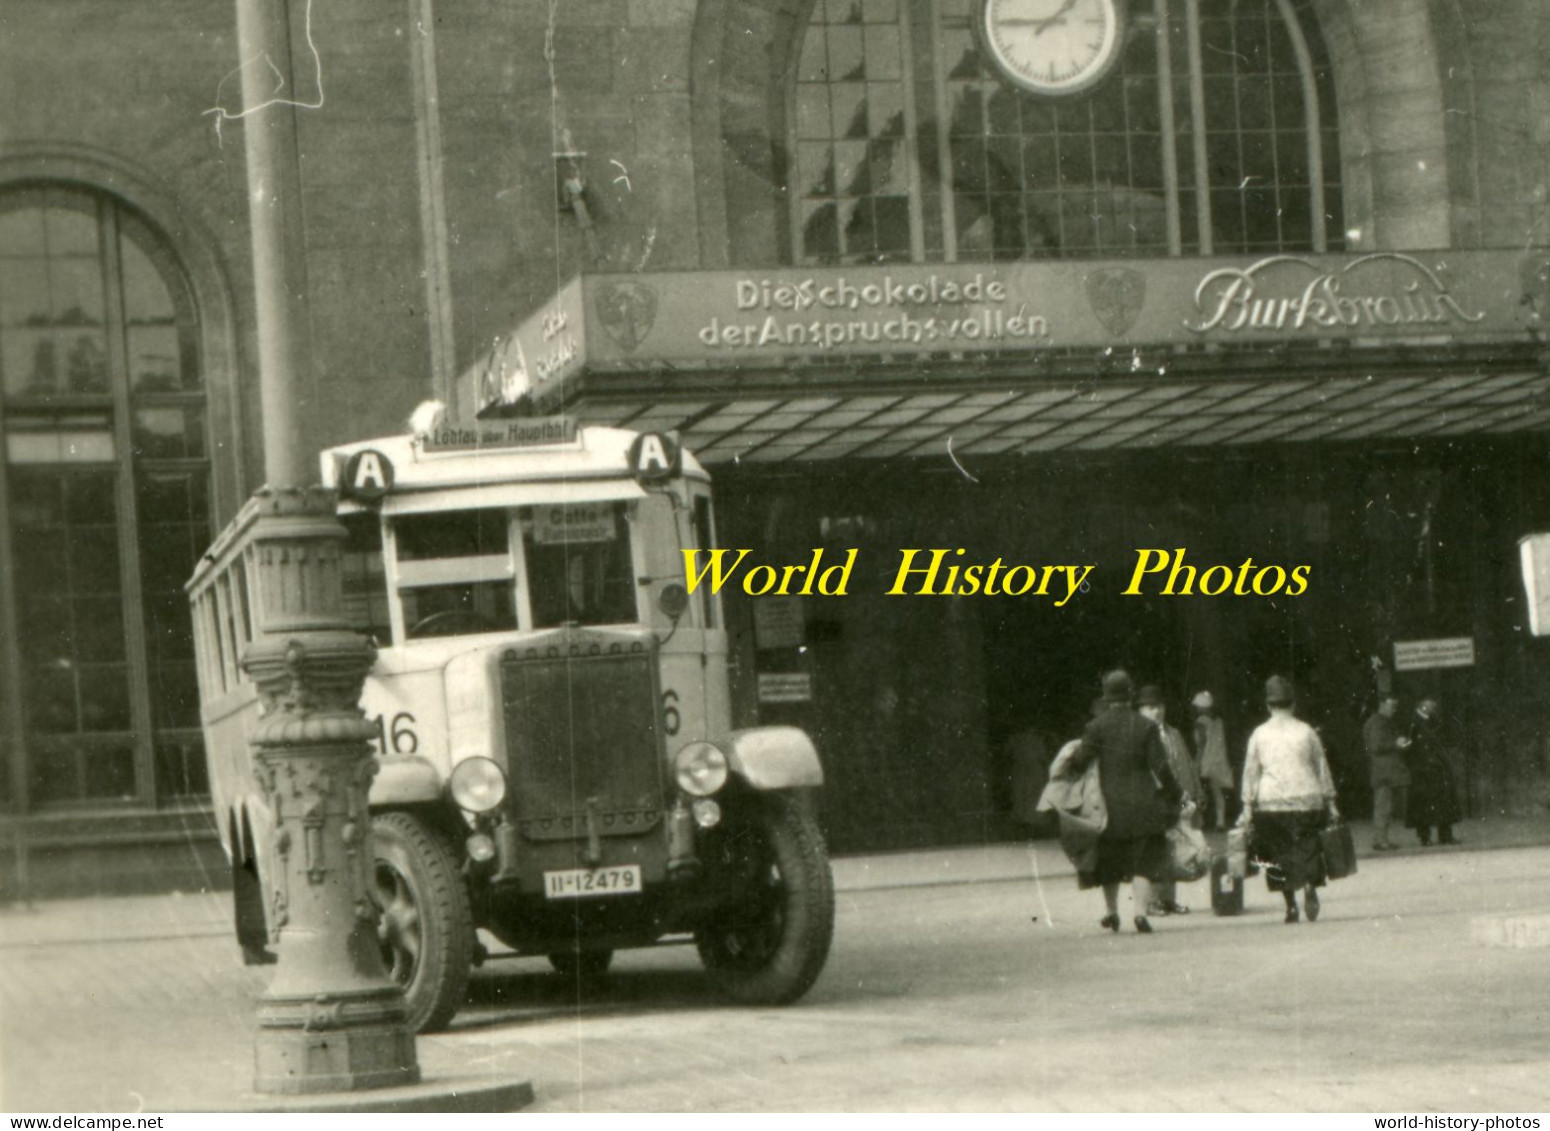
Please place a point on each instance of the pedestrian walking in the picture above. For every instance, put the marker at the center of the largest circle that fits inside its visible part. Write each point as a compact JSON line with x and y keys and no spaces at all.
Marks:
{"x":1390,"y":776}
{"x":1165,"y":895}
{"x":1141,"y":797}
{"x":1288,"y":796}
{"x":1433,"y":797}
{"x":1074,"y":795}
{"x":1211,"y":749}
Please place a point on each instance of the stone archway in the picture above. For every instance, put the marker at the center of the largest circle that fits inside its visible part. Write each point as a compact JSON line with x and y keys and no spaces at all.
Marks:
{"x":197,"y":252}
{"x":1399,"y":129}
{"x":742,"y":54}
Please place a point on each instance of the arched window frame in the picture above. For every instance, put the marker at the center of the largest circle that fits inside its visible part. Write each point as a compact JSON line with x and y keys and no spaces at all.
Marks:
{"x":1176,"y":26}
{"x":137,"y":447}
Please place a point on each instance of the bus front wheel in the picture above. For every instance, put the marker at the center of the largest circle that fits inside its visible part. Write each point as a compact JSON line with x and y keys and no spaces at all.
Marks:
{"x":768,"y":944}
{"x":426,"y":929}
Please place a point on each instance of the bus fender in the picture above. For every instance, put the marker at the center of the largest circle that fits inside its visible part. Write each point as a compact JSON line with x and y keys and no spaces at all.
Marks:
{"x":774,"y":758}
{"x":404,"y":781}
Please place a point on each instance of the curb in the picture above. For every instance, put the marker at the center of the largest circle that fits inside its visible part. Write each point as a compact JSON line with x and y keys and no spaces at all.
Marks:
{"x":455,"y":1094}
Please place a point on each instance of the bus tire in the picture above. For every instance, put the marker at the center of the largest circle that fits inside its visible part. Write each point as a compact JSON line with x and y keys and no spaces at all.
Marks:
{"x":768,"y":945}
{"x":426,"y":929}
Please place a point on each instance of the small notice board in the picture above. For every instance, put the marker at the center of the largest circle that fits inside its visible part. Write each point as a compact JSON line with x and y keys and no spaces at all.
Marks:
{"x":785,"y":687}
{"x":1447,"y":652}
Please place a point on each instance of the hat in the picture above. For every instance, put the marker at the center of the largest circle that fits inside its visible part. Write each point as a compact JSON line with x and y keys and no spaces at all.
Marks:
{"x":1117,"y":687}
{"x":1152,"y":696}
{"x":1203,"y":700}
{"x":1428,"y":707}
{"x":1278,"y":691}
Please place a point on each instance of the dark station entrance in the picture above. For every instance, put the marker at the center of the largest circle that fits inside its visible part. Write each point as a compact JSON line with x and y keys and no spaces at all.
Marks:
{"x":936,"y":715}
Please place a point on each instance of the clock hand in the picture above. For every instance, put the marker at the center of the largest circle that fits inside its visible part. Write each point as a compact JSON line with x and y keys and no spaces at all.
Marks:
{"x":1057,"y":18}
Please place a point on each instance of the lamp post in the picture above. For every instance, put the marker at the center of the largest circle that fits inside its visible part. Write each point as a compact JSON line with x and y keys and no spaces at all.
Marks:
{"x":332,"y":1020}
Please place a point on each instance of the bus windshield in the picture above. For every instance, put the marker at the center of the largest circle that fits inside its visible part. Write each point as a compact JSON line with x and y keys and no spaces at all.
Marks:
{"x":466,"y":572}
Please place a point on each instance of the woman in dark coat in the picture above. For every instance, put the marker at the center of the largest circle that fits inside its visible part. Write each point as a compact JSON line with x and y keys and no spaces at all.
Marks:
{"x":1141,"y":796}
{"x":1433,"y":799}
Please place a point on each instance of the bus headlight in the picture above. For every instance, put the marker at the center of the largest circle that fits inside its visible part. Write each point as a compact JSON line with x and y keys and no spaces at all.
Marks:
{"x":477,"y":785}
{"x":700,"y":768}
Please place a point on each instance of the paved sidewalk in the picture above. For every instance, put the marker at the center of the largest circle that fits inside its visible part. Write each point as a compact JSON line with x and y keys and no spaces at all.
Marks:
{"x":110,"y":1004}
{"x":208,"y":914}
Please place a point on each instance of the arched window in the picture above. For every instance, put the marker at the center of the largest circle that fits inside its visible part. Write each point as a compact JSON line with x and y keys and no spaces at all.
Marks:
{"x":106,"y":481}
{"x":1214,"y":134}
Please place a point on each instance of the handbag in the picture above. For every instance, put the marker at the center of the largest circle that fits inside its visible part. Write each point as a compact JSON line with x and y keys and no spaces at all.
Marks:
{"x":1338,"y":850}
{"x":1189,"y":857}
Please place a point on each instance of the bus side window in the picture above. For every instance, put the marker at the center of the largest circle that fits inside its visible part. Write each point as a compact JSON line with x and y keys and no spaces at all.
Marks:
{"x":704,"y":539}
{"x":365,"y":581}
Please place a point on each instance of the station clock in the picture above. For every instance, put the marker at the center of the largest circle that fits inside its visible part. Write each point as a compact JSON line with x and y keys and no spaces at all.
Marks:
{"x":1052,"y":47}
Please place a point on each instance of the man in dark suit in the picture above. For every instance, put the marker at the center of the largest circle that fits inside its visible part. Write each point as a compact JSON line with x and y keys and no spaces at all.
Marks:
{"x":1390,"y":775}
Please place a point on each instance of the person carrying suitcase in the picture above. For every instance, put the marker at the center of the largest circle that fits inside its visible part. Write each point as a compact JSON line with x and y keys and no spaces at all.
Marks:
{"x":1288,"y":797}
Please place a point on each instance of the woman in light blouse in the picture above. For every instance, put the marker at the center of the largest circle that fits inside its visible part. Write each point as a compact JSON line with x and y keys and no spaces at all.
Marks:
{"x":1288,"y":797}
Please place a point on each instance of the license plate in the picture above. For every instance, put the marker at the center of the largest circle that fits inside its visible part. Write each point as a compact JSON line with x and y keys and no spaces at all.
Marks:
{"x":582,"y":883}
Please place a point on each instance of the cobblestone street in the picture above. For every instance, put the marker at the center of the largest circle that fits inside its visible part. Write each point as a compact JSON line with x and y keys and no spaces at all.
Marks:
{"x":942,"y":994}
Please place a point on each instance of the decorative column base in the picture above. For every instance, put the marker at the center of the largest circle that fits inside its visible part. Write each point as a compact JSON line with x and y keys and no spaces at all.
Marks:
{"x":293,"y":1061}
{"x":349,"y":1060}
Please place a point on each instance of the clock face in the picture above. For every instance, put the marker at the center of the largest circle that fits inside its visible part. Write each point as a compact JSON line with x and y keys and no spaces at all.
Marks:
{"x":1052,"y":46}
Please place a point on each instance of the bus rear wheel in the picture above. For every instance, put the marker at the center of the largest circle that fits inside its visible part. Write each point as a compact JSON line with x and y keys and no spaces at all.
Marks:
{"x":426,"y":929}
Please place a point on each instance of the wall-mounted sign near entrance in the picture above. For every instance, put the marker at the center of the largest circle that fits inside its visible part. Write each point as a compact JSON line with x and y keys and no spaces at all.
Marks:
{"x":543,"y":349}
{"x":1290,"y":293}
{"x":778,"y":623}
{"x":785,"y":687}
{"x":1420,"y":655}
{"x":738,"y":319}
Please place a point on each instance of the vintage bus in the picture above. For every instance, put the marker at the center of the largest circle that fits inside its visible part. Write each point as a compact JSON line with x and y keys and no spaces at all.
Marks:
{"x":557,"y":763}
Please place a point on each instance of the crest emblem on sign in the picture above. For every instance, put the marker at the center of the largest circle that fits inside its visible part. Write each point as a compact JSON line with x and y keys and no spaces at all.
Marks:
{"x":1116,"y":295}
{"x":626,"y":310}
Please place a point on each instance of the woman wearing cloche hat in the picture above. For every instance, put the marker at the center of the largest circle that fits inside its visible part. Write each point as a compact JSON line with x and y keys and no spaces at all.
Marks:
{"x":1288,"y":794}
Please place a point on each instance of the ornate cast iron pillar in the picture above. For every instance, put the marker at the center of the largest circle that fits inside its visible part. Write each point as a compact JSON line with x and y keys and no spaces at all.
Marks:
{"x":332,"y":1020}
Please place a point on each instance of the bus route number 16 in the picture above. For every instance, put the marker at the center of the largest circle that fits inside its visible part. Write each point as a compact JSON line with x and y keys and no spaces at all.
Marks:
{"x":396,"y":736}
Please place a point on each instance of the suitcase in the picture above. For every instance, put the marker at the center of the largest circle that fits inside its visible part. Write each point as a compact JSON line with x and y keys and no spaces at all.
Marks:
{"x":1226,"y":889}
{"x":1338,"y":850}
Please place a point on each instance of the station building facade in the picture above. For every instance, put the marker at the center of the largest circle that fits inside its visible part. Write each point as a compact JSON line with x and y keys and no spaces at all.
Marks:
{"x":1272,"y":288}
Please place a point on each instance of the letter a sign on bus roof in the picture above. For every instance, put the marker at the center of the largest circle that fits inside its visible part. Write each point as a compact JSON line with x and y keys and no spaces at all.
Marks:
{"x":368,"y":475}
{"x":655,"y":456}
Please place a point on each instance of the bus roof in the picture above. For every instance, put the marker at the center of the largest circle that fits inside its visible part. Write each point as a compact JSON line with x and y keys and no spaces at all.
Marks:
{"x":488,"y":455}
